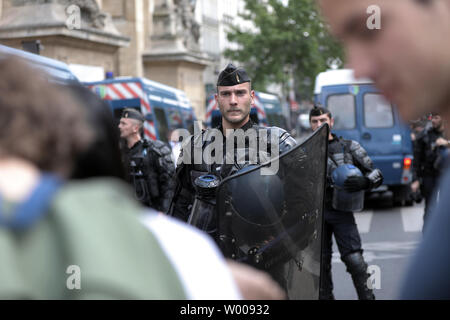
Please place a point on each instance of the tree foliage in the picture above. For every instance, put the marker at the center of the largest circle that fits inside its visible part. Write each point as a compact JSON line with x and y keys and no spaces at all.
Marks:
{"x":288,"y":36}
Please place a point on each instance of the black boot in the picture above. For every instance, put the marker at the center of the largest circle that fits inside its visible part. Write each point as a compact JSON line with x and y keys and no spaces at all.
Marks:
{"x":357,"y":267}
{"x":326,"y":282}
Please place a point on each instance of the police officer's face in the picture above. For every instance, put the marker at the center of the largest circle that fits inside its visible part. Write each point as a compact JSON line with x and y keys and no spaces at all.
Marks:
{"x":408,"y":57}
{"x":235,"y":103}
{"x":436,"y":121}
{"x":317,"y":121}
{"x":128,"y":127}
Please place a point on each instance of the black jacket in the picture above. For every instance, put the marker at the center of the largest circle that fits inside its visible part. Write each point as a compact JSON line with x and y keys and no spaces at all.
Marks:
{"x":427,"y":156}
{"x":150,"y":169}
{"x":188,"y":170}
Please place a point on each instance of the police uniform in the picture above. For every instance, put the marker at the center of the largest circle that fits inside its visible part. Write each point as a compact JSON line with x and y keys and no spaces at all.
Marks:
{"x":188,"y":171}
{"x":342,"y":223}
{"x":428,"y":159}
{"x":149,"y":168}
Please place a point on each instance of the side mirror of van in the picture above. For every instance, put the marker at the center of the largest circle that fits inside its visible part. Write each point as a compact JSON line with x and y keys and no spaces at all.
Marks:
{"x":149,"y":117}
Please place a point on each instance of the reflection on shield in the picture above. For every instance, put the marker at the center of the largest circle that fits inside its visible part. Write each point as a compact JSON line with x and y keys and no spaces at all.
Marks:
{"x":274,"y":222}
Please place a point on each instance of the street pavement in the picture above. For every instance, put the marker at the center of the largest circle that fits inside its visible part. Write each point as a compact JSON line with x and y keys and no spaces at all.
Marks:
{"x":389,"y":236}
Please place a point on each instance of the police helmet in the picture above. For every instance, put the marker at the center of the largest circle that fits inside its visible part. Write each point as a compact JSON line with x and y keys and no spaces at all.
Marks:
{"x":342,"y":172}
{"x":343,"y":200}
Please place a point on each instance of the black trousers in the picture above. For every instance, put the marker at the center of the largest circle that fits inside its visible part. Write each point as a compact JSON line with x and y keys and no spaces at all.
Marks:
{"x":343,"y":226}
{"x":429,"y":192}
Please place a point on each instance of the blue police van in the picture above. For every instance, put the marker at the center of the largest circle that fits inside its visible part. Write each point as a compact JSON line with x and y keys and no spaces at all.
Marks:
{"x":56,"y":70}
{"x":362,"y":114}
{"x":266,"y":111}
{"x":272,"y":108}
{"x":165,"y":108}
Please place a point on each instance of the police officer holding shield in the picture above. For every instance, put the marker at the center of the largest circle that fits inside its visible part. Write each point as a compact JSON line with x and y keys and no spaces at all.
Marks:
{"x":264,"y":207}
{"x":148,"y":164}
{"x":350,"y":172}
{"x":199,"y":180}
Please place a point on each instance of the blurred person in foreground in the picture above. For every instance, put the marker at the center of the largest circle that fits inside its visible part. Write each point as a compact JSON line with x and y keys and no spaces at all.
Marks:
{"x":84,"y":240}
{"x":103,"y":159}
{"x":409,"y":60}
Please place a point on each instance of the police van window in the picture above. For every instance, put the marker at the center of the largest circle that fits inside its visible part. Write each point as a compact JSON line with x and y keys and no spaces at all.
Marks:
{"x":163,"y":128}
{"x":188,"y":120}
{"x":377,"y":111}
{"x":342,"y":108}
{"x":175,"y":119}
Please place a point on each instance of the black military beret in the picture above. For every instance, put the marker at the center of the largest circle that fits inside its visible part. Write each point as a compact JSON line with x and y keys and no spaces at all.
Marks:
{"x":232,"y":76}
{"x":132,"y":114}
{"x":318,"y":110}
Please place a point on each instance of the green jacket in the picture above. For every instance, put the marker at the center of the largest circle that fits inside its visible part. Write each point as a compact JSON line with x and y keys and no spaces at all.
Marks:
{"x":92,"y":225}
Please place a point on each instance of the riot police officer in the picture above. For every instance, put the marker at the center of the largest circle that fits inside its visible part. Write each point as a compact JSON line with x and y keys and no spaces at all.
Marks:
{"x":235,"y":98}
{"x":350,"y":172}
{"x":430,"y":149}
{"x":148,"y":164}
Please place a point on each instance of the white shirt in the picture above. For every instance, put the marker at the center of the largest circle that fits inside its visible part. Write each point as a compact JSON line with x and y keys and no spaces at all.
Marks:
{"x":176,"y":149}
{"x":195,"y":257}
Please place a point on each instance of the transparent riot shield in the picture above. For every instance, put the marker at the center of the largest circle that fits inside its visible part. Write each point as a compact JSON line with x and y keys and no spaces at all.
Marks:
{"x":274,"y":222}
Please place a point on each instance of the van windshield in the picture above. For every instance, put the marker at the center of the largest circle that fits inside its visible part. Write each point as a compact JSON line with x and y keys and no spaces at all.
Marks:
{"x":189,"y":120}
{"x":342,"y":108}
{"x":377,"y":111}
{"x":175,"y":120}
{"x":163,"y":128}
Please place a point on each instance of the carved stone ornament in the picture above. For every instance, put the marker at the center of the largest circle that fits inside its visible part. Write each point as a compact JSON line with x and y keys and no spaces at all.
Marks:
{"x":187,"y":26}
{"x":90,"y":10}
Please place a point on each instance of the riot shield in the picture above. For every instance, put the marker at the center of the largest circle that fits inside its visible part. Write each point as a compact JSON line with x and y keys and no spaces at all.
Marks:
{"x":274,"y":222}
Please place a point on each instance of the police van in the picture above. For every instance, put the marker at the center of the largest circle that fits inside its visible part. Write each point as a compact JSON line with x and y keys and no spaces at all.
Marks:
{"x":165,"y":108}
{"x":266,"y":111}
{"x":57,"y":71}
{"x":362,"y":114}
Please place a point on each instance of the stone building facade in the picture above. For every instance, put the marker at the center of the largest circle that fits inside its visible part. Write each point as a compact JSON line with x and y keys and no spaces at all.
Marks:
{"x":156,"y":39}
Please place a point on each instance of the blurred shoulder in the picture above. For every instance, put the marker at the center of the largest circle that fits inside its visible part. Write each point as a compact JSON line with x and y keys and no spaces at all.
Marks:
{"x":99,"y":196}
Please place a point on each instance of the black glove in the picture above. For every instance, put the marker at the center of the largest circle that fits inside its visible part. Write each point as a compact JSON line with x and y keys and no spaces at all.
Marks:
{"x":356,"y":183}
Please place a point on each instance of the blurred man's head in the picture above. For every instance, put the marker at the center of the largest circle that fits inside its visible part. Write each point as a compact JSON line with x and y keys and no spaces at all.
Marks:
{"x":408,"y":58}
{"x":102,"y":158}
{"x":436,"y":121}
{"x":130,"y":124}
{"x":39,"y":123}
{"x":318,"y":116}
{"x":234,"y":96}
{"x":417,"y":125}
{"x":174,"y":136}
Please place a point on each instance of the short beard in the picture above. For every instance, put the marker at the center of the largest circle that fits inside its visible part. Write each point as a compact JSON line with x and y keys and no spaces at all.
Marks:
{"x":237,"y":121}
